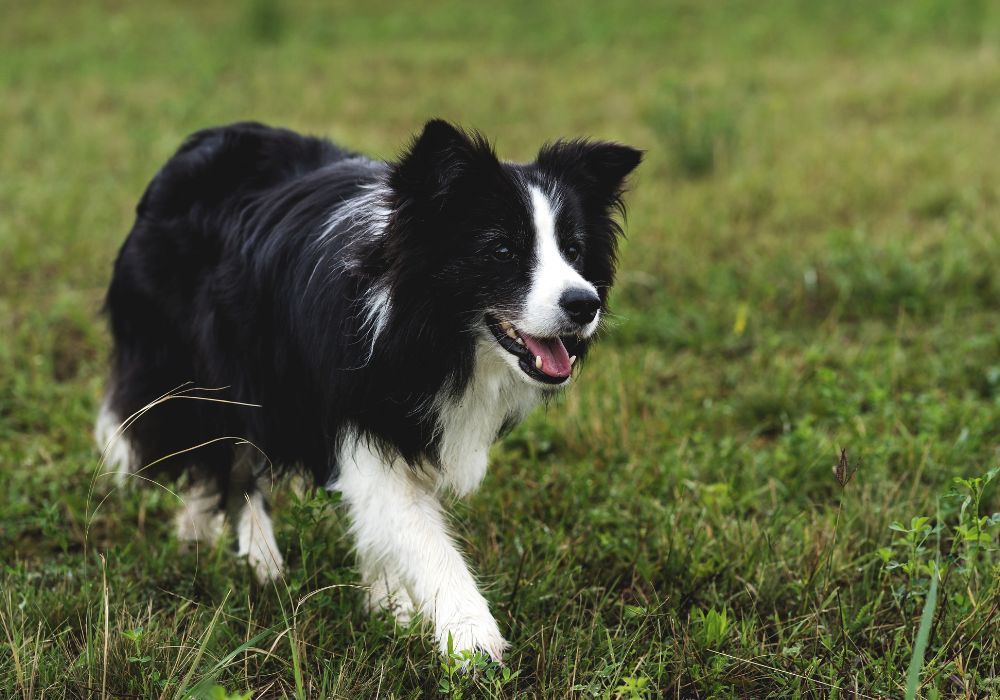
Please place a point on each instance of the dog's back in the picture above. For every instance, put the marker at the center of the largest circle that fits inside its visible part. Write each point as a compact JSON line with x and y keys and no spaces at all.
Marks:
{"x":168,"y":294}
{"x":225,"y":163}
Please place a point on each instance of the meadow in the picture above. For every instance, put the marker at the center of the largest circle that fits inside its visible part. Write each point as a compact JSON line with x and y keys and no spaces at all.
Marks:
{"x":811,"y":266}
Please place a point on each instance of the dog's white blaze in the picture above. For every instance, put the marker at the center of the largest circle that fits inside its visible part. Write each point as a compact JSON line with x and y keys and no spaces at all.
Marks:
{"x":551,"y":276}
{"x":116,"y":450}
{"x":256,"y":539}
{"x":400,"y":531}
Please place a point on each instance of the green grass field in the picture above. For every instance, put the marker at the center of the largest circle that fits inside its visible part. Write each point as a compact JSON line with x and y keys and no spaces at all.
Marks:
{"x":812,"y":264}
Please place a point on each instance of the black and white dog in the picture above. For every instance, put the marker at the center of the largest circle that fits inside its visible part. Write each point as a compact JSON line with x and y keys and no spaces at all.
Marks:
{"x":283,"y":301}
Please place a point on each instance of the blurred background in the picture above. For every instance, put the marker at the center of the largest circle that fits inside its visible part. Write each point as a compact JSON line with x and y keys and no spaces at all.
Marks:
{"x":811,"y":265}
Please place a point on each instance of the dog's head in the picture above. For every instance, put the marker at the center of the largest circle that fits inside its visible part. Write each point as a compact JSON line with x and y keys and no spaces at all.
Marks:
{"x":523,"y":254}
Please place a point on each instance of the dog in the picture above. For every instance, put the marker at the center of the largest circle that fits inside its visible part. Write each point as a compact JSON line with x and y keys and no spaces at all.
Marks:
{"x":284,"y":301}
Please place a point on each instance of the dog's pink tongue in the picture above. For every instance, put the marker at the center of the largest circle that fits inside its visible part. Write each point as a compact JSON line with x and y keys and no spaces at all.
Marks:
{"x":555,"y":359}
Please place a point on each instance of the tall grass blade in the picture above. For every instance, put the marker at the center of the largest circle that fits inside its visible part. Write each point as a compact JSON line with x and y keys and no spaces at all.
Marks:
{"x":204,"y":685}
{"x":923,"y":634}
{"x":202,"y":646}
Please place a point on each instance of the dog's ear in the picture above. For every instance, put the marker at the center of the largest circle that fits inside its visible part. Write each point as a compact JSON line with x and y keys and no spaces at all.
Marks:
{"x":597,"y":168}
{"x":442,"y":153}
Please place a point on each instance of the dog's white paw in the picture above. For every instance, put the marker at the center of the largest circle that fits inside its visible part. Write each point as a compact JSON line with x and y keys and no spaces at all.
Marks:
{"x":266,"y":563}
{"x":194,"y":525}
{"x":480,"y":634}
{"x":200,"y":519}
{"x":257,"y":542}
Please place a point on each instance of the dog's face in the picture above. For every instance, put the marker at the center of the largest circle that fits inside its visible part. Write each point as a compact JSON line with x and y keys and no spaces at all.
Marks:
{"x":524,"y":254}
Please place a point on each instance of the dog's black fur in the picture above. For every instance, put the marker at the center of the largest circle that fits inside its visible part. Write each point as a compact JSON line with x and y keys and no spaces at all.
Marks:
{"x":239,"y":272}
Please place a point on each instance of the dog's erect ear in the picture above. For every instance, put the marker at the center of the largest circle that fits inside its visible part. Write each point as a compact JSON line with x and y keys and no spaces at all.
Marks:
{"x":599,"y":168}
{"x":437,"y":157}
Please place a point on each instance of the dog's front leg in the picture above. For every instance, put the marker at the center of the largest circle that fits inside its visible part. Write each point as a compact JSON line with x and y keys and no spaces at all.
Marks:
{"x":397,"y":521}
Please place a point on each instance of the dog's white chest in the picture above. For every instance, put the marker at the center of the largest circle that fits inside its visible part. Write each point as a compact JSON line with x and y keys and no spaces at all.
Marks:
{"x":469,"y":424}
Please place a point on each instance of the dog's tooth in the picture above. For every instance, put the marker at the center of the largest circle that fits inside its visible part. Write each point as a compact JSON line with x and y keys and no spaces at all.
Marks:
{"x":505,"y":325}
{"x":572,"y":360}
{"x":511,"y":333}
{"x":538,"y":361}
{"x":519,"y":341}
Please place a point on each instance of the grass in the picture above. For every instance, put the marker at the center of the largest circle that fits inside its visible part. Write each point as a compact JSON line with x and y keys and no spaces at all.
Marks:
{"x":811,"y":265}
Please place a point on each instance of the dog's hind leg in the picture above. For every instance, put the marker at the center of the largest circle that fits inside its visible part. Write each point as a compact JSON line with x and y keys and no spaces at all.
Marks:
{"x":257,"y":543}
{"x":113,"y":442}
{"x":251,"y":515}
{"x":202,"y":514}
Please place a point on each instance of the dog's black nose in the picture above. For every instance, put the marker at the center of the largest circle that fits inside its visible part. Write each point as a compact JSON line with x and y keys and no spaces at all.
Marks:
{"x":581,"y":305}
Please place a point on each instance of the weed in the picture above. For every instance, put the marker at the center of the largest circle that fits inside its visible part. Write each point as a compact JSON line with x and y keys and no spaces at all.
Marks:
{"x":473,"y":674}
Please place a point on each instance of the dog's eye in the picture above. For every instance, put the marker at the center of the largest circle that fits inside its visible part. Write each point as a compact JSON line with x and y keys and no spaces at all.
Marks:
{"x":572,"y":253}
{"x":503,"y":253}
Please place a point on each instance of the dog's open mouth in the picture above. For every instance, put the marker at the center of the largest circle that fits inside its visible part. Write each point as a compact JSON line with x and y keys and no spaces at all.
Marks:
{"x":546,"y":359}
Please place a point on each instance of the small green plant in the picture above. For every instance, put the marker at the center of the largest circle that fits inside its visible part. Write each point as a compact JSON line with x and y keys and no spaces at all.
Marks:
{"x":974,"y":533}
{"x":470,"y":672}
{"x":972,"y":537}
{"x":135,"y":636}
{"x":970,"y":560}
{"x":713,"y":627}
{"x":218,"y":692}
{"x":144,"y":661}
{"x":634,"y":688}
{"x":911,"y":540}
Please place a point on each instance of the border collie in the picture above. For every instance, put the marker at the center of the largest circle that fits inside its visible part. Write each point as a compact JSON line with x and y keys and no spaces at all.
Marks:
{"x":283,"y":301}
